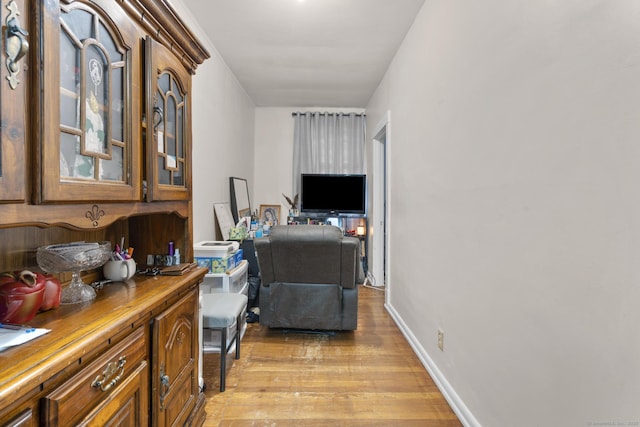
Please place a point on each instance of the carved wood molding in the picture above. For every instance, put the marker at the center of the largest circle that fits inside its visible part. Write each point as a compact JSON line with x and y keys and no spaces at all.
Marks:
{"x":94,"y":215}
{"x":163,"y":23}
{"x":85,"y":216}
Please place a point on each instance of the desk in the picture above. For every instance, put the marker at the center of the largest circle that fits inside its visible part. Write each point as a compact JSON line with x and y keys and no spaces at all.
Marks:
{"x":249,"y":253}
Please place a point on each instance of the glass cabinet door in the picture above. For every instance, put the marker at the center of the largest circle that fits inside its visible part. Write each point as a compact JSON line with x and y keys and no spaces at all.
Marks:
{"x":14,"y":82}
{"x":168,"y":134}
{"x":90,"y":70}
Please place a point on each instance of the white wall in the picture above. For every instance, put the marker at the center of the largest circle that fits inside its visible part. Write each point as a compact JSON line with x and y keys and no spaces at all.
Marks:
{"x":273,"y":158}
{"x":223,"y":133}
{"x":274,"y":154}
{"x":515,"y":205}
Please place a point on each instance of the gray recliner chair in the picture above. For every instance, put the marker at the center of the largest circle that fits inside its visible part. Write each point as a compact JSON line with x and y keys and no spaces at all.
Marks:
{"x":309,"y":278}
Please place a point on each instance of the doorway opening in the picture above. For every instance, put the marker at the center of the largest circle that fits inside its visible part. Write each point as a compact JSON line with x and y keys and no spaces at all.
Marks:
{"x":378,"y":270}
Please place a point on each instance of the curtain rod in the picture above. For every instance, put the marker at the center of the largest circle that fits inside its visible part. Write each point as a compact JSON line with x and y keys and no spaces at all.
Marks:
{"x":324,"y":114}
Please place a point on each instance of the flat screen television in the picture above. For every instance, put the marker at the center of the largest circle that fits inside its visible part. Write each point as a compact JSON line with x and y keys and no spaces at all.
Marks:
{"x":331,"y":194}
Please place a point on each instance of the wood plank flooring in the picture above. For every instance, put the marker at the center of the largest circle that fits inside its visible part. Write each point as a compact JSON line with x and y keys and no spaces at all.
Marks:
{"x":368,"y":377}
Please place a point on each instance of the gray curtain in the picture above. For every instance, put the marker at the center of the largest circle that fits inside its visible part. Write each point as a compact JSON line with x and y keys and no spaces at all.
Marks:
{"x":328,"y":143}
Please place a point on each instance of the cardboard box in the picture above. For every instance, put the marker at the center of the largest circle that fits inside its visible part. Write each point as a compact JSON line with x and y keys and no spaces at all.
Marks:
{"x":217,"y":264}
{"x":218,"y":257}
{"x":239,"y":256}
{"x":203,"y":262}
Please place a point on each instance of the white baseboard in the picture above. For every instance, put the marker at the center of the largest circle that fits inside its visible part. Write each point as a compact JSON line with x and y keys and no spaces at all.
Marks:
{"x":458,"y":406}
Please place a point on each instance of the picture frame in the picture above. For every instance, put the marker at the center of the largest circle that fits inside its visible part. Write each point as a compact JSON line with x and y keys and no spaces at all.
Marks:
{"x":270,"y":213}
{"x":222,"y":213}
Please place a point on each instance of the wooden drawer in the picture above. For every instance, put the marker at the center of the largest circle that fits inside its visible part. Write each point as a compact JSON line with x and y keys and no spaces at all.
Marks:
{"x":127,"y":406}
{"x":96,"y":383}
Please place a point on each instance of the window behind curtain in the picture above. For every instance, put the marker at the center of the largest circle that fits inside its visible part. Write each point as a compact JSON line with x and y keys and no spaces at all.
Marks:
{"x":328,"y":143}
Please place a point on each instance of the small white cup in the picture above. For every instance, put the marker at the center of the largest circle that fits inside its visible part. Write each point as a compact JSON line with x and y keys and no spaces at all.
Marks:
{"x":119,"y":270}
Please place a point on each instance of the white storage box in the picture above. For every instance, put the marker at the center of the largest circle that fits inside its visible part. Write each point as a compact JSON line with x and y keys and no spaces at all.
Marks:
{"x":234,"y":282}
{"x":215,"y":248}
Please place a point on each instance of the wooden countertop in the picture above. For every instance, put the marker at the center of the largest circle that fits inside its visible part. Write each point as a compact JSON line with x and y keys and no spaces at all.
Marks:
{"x":81,"y":331}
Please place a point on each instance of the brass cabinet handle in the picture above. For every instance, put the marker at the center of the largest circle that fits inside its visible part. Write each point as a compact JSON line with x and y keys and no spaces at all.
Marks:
{"x":17,"y":44}
{"x":104,"y":381}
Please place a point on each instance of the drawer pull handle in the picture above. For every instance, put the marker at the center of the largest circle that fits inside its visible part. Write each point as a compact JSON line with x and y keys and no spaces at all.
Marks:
{"x":104,"y":381}
{"x":164,"y":384}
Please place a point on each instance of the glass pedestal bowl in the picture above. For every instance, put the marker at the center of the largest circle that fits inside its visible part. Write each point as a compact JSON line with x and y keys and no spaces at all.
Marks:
{"x":74,"y":257}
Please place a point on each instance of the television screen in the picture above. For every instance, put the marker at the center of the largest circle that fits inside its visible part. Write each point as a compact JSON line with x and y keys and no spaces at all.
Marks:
{"x":333,"y":194}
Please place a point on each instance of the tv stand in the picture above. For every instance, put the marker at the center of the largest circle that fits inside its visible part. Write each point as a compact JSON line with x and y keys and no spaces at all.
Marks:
{"x":349,"y":224}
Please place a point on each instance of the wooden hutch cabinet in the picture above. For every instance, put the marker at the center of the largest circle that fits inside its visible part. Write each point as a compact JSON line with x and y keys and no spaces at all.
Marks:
{"x":90,"y":69}
{"x":13,"y":93}
{"x":95,"y":144}
{"x":168,"y":148}
{"x":175,"y":367}
{"x":129,"y":358}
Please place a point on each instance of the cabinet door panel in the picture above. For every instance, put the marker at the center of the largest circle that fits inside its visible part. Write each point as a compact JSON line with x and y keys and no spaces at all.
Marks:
{"x":168,"y":136}
{"x":175,"y":377}
{"x":13,"y":89}
{"x":90,"y":143}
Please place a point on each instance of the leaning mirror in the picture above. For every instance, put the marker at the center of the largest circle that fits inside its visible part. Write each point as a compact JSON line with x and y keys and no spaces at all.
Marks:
{"x":240,"y":205}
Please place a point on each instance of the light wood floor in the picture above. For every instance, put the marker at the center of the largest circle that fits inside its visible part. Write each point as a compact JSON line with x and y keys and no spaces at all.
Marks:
{"x":368,"y":377}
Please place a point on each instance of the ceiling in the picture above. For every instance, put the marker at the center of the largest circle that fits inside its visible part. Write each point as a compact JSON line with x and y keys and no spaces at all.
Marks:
{"x":306,"y":53}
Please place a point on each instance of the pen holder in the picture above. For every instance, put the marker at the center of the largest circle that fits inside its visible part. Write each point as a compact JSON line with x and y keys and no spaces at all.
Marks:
{"x":119,"y":270}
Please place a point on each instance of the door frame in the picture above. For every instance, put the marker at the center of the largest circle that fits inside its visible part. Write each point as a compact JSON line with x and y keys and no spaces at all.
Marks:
{"x":380,"y":223}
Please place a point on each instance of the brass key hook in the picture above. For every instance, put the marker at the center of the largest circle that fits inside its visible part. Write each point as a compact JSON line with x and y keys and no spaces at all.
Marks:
{"x":17,"y":44}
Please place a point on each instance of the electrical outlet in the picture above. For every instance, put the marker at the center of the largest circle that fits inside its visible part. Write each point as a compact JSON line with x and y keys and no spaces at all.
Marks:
{"x":440,"y":340}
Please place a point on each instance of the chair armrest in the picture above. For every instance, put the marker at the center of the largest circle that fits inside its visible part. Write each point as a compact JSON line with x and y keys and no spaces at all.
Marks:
{"x":349,"y":262}
{"x":265,"y":260}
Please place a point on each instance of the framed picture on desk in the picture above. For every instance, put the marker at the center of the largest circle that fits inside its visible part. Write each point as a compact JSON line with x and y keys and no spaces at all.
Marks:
{"x":223,"y":214}
{"x":270,"y":214}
